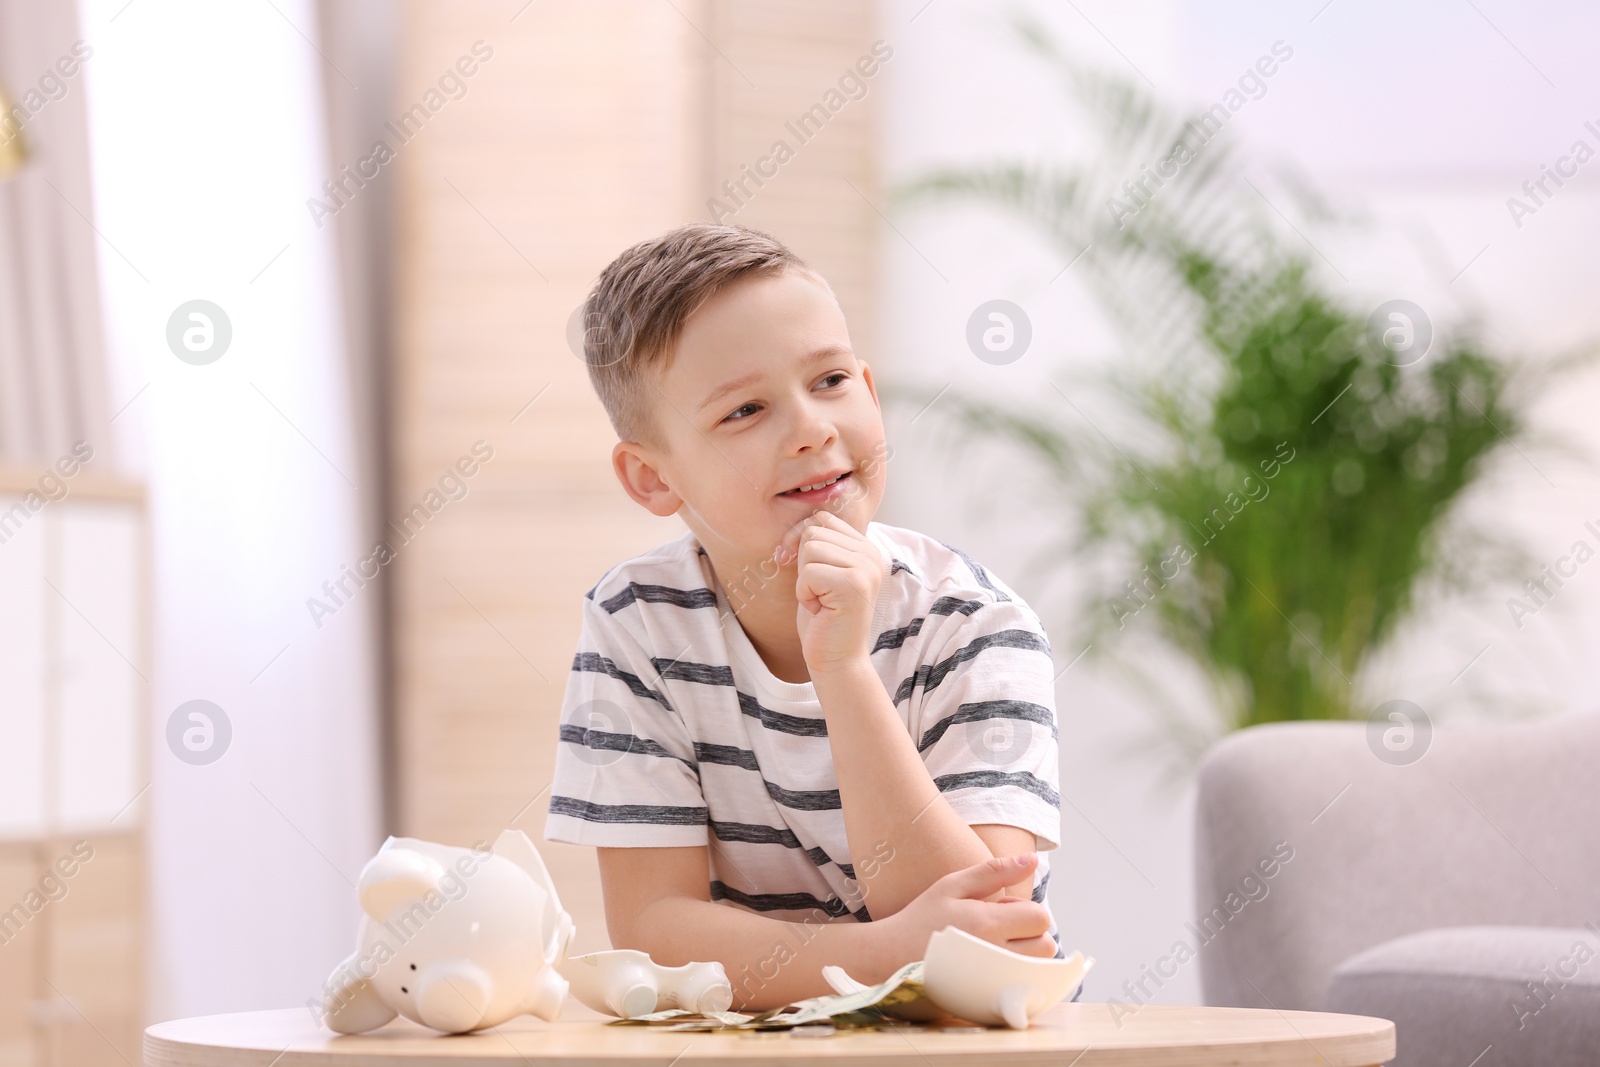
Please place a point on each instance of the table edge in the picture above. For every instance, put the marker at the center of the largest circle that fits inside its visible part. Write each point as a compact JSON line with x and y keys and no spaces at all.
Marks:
{"x":162,"y":1047}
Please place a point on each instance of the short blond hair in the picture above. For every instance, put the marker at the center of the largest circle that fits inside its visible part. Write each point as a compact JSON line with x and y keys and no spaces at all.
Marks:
{"x":636,"y":311}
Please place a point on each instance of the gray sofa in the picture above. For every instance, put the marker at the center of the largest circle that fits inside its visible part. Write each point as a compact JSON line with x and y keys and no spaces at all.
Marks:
{"x":1456,"y":893}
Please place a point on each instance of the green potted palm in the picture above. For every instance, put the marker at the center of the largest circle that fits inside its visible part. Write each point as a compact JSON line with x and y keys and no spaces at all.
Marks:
{"x":1281,"y":483}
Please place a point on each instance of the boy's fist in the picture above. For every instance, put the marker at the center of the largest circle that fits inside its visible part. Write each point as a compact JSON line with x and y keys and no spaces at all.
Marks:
{"x":959,"y":899}
{"x":839,"y":574}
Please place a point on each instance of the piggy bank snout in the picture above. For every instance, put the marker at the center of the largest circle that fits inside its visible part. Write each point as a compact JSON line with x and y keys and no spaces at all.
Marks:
{"x":453,"y":997}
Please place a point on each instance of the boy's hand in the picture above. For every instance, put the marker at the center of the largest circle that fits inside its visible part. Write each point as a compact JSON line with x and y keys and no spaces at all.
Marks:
{"x":960,"y":899}
{"x":840,"y":573}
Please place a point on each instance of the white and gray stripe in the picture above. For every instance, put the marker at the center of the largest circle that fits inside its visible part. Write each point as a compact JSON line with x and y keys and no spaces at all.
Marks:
{"x":709,"y":748}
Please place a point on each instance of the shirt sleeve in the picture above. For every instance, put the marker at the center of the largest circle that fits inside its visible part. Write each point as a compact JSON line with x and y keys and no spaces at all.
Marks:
{"x":986,"y":725}
{"x":625,"y":772}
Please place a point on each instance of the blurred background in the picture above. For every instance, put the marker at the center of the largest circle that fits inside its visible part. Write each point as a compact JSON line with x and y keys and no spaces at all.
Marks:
{"x":276,"y":275}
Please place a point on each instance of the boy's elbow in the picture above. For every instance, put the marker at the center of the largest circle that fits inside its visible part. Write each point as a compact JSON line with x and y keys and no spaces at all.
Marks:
{"x":629,"y":932}
{"x":648,"y":930}
{"x":621,"y":935}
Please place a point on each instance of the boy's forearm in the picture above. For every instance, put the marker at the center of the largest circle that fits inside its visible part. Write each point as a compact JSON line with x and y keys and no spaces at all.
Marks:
{"x":888,"y":795}
{"x":769,"y":962}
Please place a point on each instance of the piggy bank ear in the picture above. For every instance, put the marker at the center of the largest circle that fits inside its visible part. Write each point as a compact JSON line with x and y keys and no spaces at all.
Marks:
{"x":350,"y":1003}
{"x":397,"y":876}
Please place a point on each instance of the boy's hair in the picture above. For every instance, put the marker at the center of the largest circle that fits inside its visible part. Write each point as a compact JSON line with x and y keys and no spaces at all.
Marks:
{"x":637,"y":308}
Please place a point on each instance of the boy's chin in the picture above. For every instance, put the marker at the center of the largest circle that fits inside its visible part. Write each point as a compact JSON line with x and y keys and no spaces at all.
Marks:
{"x":856,"y":512}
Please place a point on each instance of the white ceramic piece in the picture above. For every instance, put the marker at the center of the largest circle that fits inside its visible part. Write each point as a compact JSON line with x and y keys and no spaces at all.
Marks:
{"x":627,"y":983}
{"x":988,"y":984}
{"x":453,"y":938}
{"x":841,"y":982}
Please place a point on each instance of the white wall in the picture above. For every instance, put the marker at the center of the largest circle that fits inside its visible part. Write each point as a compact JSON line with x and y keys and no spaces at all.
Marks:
{"x":1422,"y":114}
{"x":207,"y":138}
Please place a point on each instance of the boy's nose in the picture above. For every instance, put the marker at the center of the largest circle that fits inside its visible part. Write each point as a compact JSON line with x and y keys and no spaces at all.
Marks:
{"x":812,"y":431}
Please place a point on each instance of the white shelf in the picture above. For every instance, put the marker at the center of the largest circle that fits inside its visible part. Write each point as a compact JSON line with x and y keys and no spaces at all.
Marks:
{"x":72,"y":672}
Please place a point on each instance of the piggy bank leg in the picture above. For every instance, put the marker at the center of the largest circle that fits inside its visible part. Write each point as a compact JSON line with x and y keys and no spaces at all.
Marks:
{"x":701,"y":987}
{"x":350,"y":1003}
{"x":708,"y":991}
{"x":1012,"y":1005}
{"x":631,"y":991}
{"x":546,"y":996}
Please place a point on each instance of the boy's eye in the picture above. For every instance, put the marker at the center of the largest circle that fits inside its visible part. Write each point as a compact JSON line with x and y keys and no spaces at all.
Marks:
{"x":744,"y":411}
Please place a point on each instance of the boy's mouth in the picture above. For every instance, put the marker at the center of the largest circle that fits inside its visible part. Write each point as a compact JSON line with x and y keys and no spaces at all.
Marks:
{"x":820,"y":488}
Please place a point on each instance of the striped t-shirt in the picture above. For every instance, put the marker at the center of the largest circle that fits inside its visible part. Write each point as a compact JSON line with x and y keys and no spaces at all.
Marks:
{"x":674,"y":732}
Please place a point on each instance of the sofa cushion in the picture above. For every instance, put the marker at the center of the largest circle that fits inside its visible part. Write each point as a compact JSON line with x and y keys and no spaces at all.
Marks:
{"x":1481,"y":996}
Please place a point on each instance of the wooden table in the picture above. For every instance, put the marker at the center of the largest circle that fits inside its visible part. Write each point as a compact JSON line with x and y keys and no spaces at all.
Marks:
{"x":1082,"y":1035}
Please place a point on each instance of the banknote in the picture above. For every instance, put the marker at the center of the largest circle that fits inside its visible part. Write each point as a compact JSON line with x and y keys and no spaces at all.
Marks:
{"x":861,"y":1007}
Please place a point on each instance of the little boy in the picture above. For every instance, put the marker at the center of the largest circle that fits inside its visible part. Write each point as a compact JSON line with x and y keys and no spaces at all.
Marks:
{"x":796,"y":735}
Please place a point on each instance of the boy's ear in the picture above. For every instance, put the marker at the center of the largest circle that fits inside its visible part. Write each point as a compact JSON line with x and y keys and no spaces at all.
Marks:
{"x":636,"y":470}
{"x":866,"y":376}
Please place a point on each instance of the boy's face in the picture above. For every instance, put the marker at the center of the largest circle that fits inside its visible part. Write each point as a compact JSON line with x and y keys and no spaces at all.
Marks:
{"x":763,"y":395}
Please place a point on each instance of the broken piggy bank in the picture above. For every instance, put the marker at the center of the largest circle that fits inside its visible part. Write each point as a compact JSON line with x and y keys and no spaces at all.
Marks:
{"x":628,"y":983}
{"x":455,"y":939}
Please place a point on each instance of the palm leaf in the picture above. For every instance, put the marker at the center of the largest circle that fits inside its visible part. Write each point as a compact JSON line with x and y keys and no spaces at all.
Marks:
{"x":1240,"y":363}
